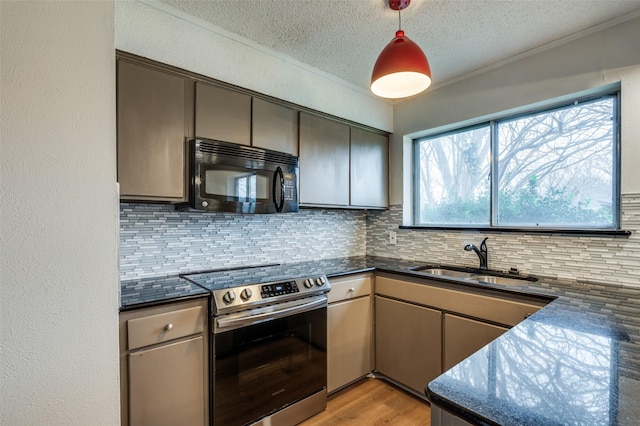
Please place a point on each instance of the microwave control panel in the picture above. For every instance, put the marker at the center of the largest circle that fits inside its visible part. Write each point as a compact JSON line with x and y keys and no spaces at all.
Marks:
{"x":290,"y":192}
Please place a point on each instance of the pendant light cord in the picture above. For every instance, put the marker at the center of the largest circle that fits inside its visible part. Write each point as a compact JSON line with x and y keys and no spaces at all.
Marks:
{"x":399,"y":19}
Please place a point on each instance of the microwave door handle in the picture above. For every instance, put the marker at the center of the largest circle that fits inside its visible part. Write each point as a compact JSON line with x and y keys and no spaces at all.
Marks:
{"x":278,"y":176}
{"x":281,"y":190}
{"x":273,"y":189}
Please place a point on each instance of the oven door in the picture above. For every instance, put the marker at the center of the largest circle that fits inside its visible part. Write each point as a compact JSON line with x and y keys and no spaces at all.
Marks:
{"x":263,"y":367}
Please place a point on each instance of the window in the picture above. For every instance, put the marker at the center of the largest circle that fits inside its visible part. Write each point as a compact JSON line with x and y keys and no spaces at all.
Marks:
{"x":454,"y":174}
{"x":550,"y":169}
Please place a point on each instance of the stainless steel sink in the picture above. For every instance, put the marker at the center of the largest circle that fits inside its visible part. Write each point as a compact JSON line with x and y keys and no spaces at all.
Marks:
{"x":443,"y":272}
{"x":472,"y":275}
{"x":493,"y":279}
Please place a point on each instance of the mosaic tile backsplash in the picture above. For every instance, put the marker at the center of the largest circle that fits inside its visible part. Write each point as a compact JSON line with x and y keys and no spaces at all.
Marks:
{"x":593,"y":259}
{"x":156,"y":240}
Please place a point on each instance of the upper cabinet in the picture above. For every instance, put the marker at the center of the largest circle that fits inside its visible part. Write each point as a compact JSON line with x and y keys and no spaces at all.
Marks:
{"x":159,"y":107}
{"x":152,"y":116}
{"x":341,"y":165}
{"x":274,"y":127}
{"x":230,"y":116}
{"x":324,"y":161}
{"x":222,"y":114}
{"x":369,"y":169}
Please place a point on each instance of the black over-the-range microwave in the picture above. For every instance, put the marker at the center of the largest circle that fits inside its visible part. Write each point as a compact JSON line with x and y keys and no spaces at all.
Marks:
{"x":228,"y":177}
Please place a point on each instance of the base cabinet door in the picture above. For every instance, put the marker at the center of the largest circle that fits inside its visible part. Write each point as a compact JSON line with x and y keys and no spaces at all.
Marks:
{"x":408,"y":342}
{"x":165,"y":385}
{"x":464,"y":336}
{"x":348,"y":341}
{"x":164,"y":367}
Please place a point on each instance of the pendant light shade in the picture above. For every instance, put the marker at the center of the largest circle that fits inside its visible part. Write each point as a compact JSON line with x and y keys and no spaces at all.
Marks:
{"x":401,"y":70}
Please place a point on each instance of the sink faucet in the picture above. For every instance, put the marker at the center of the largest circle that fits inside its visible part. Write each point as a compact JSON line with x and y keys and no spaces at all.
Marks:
{"x":482,"y":253}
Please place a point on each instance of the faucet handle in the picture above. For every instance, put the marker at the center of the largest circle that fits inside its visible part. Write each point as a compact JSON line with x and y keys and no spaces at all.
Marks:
{"x":483,"y":244}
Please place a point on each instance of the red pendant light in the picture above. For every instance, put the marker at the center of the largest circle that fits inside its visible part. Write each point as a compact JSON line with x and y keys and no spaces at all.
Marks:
{"x":402,"y":69}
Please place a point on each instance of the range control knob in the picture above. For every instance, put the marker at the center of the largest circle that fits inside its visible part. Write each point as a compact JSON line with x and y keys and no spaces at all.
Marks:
{"x":308,"y":283}
{"x":320,"y":281}
{"x":246,"y":294}
{"x":229,"y":297}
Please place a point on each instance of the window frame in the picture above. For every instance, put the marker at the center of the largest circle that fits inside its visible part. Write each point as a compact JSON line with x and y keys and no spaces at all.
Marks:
{"x":528,"y":111}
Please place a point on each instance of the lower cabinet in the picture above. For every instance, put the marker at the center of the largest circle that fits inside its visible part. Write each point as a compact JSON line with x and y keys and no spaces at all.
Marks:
{"x":408,"y":342}
{"x":464,"y":336}
{"x":165,"y":384}
{"x":424,"y":327}
{"x":163,"y":365}
{"x":349,"y":331}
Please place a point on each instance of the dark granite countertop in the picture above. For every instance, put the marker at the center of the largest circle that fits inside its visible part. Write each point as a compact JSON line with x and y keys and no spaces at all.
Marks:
{"x":145,"y":292}
{"x":574,"y":362}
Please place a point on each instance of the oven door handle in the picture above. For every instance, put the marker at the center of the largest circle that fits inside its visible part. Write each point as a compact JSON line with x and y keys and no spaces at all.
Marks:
{"x":246,"y":320}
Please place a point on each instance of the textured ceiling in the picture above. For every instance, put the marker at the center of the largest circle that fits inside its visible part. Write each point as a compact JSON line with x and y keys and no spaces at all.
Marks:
{"x":344,"y":37}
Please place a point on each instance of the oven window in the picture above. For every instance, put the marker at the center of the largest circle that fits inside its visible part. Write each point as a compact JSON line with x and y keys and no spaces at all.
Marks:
{"x":262,"y":368}
{"x":237,"y":184}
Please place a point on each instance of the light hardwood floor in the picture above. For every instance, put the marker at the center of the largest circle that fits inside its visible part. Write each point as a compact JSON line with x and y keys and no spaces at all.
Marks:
{"x":373,"y":402}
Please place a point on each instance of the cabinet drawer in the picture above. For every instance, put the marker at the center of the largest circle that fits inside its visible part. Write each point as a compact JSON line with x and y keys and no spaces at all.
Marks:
{"x":349,"y":287}
{"x":165,"y":326}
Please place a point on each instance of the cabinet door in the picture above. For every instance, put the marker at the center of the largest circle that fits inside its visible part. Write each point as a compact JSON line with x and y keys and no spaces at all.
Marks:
{"x":274,"y":127}
{"x":348,"y":341}
{"x":463,"y":337}
{"x":369,"y":169}
{"x":151,"y":132}
{"x":408,"y":343}
{"x":222,"y":114}
{"x":324,"y":161}
{"x":166,"y":385}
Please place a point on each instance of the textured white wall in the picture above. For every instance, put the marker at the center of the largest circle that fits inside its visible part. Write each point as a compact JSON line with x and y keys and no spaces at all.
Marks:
{"x":608,"y":56}
{"x":59,"y":273}
{"x":157,"y":32}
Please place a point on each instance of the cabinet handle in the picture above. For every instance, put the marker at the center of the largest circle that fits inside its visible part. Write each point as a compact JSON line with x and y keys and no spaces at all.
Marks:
{"x":168,"y":327}
{"x":351,"y":290}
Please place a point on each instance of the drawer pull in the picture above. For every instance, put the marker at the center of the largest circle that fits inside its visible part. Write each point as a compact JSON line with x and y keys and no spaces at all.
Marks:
{"x":168,"y":327}
{"x":351,"y":290}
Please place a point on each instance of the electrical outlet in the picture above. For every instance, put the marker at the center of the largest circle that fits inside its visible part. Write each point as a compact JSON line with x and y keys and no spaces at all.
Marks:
{"x":393,"y":237}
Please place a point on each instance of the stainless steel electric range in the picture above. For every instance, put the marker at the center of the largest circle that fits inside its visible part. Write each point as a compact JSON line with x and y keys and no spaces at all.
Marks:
{"x":269,"y":326}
